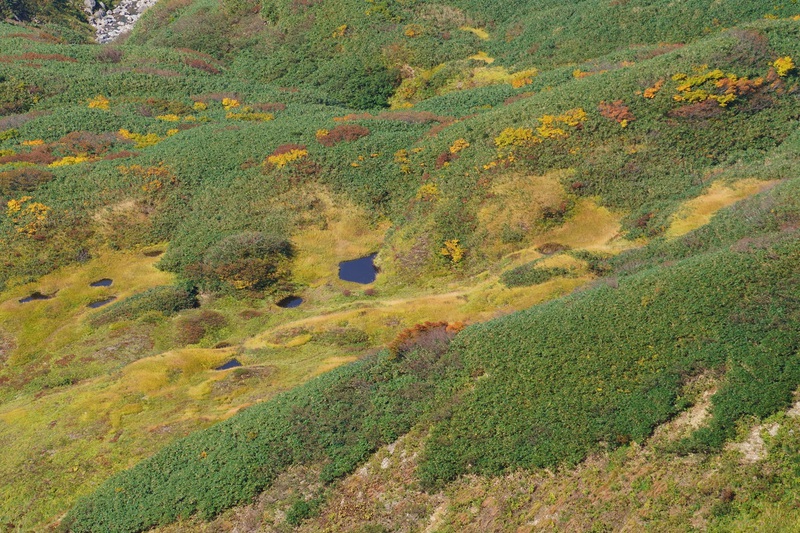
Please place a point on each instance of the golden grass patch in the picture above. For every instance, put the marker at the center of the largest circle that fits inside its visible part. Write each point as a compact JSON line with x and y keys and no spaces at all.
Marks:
{"x":698,"y":211}
{"x":346,"y":234}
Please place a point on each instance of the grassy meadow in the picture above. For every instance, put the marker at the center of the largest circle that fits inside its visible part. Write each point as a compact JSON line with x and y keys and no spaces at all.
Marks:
{"x":585,"y":217}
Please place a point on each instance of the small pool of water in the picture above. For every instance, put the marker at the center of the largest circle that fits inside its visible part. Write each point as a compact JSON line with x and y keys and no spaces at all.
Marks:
{"x":361,"y":270}
{"x":36,"y":296}
{"x":105,"y":282}
{"x":290,"y":301}
{"x":233,"y":363}
{"x":101,"y":303}
{"x":153,"y":253}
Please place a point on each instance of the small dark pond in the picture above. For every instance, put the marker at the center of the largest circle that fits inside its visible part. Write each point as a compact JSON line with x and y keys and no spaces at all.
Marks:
{"x":101,"y":303}
{"x":105,"y":282}
{"x":36,"y":296}
{"x":361,"y":270}
{"x":233,"y":363}
{"x":153,"y":253}
{"x":290,"y":301}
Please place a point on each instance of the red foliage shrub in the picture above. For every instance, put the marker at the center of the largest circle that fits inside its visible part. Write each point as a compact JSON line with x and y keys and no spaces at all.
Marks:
{"x":22,"y":180}
{"x":698,"y":111}
{"x":40,"y":155}
{"x":192,"y":329}
{"x":41,"y":37}
{"x":269,"y":107}
{"x":343,"y":133}
{"x":201,"y":65}
{"x":431,"y":336}
{"x":86,"y":142}
{"x":444,"y":158}
{"x":617,"y":111}
{"x":48,"y":57}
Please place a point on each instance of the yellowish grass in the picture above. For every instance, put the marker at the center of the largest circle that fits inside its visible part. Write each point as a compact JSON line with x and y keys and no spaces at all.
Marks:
{"x":42,"y":327}
{"x":479,"y":32}
{"x":698,"y":211}
{"x":482,"y":56}
{"x":347,"y":235}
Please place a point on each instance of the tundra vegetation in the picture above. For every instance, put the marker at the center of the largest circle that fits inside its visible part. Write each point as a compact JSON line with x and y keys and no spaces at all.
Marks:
{"x":586,"y":223}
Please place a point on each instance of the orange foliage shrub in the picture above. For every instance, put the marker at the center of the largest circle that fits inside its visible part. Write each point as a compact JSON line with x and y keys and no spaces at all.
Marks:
{"x":616,"y":111}
{"x":432,"y":336}
{"x":40,"y":155}
{"x":343,"y":133}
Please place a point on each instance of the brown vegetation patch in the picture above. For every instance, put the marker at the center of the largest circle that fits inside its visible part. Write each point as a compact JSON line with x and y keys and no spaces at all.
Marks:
{"x":15,"y":121}
{"x":199,"y":64}
{"x":343,"y":133}
{"x":40,"y":37}
{"x":22,"y":180}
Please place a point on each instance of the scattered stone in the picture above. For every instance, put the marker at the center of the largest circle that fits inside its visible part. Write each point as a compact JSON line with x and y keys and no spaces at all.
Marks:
{"x":111,"y":24}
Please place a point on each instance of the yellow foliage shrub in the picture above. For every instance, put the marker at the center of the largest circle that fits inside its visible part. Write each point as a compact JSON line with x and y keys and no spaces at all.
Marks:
{"x":783,"y":66}
{"x":452,"y":249}
{"x":69,"y":160}
{"x":141,"y":140}
{"x":200,"y":106}
{"x":458,"y":145}
{"x":283,"y":159}
{"x":429,"y":192}
{"x":230,"y":103}
{"x":99,"y":102}
{"x":34,"y":142}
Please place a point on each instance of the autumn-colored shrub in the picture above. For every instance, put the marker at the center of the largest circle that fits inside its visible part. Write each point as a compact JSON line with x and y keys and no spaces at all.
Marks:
{"x":616,"y":111}
{"x":193,"y":328}
{"x":199,"y":64}
{"x":39,"y":155}
{"x":85,"y":142}
{"x":23,"y":179}
{"x":431,"y":336}
{"x":269,"y":107}
{"x":285,"y":154}
{"x":108,"y":54}
{"x":248,"y":260}
{"x":343,"y":133}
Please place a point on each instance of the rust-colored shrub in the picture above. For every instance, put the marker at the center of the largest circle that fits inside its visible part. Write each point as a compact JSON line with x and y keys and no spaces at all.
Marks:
{"x":199,"y":64}
{"x":40,"y":155}
{"x":192,"y":329}
{"x":86,"y":142}
{"x":22,"y":180}
{"x":343,"y":133}
{"x":698,"y":111}
{"x":617,"y":111}
{"x":109,"y":54}
{"x":269,"y":107}
{"x":431,"y":336}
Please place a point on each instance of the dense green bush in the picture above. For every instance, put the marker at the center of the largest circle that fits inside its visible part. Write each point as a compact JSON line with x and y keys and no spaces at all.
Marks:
{"x":165,"y":299}
{"x":530,"y":274}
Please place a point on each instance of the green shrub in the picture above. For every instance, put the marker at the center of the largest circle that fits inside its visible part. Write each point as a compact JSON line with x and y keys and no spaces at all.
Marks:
{"x":166,"y":299}
{"x":530,"y":274}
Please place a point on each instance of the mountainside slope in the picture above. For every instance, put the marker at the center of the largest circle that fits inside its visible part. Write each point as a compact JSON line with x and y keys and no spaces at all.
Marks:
{"x":229,"y":154}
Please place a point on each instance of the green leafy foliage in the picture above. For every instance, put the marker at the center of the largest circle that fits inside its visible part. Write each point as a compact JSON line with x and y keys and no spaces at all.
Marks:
{"x":339,"y":418}
{"x":530,"y":274}
{"x":167,"y":300}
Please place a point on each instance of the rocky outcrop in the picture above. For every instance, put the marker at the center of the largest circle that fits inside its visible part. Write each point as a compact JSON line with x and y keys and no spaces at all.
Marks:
{"x":111,"y":23}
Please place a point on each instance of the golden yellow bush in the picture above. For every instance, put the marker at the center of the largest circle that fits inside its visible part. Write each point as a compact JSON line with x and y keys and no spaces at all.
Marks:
{"x":783,"y":66}
{"x":458,"y":145}
{"x":99,"y":102}
{"x":452,"y":249}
